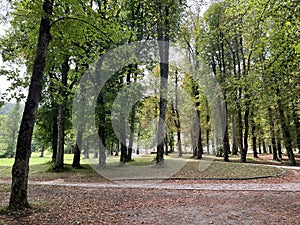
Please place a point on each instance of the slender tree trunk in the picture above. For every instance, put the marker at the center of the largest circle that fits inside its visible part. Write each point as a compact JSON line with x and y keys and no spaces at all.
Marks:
{"x":54,"y":107}
{"x":132,"y":116}
{"x":246,"y":131}
{"x":207,"y":125}
{"x":272,"y":133}
{"x":20,"y":170}
{"x":78,"y":147}
{"x":123,"y":156}
{"x":199,"y":138}
{"x":270,"y":149}
{"x":226,"y":146}
{"x":253,"y":132}
{"x":163,"y":38}
{"x":138,"y":140}
{"x":59,"y":162}
{"x":240,"y":129}
{"x":177,"y":120}
{"x":101,"y":133}
{"x":259,"y":146}
{"x":264,"y":147}
{"x":233,"y":129}
{"x":42,"y":152}
{"x":171,"y":141}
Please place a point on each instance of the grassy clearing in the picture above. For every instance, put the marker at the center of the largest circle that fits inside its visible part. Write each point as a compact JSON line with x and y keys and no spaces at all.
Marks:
{"x":222,"y":170}
{"x":40,"y":168}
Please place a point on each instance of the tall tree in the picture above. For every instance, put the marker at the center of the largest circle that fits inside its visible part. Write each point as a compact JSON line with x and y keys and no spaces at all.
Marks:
{"x":19,"y":186}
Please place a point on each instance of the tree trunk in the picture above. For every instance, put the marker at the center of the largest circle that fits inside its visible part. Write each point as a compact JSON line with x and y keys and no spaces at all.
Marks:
{"x":42,"y":152}
{"x":54,"y":107}
{"x":272,"y":133}
{"x":20,"y":170}
{"x":163,"y":38}
{"x":287,"y":138}
{"x":123,"y":156}
{"x":171,"y":141}
{"x":101,"y":132}
{"x":117,"y":148}
{"x":226,"y":146}
{"x":264,"y":147}
{"x":246,"y":131}
{"x":59,"y":162}
{"x":132,"y":116}
{"x":240,"y":129}
{"x":259,"y":146}
{"x":78,"y":147}
{"x":177,"y":120}
{"x":253,"y":133}
{"x":199,"y":138}
{"x":138,"y":140}
{"x":166,"y":144}
{"x":233,"y":129}
{"x":255,"y":154}
{"x":207,"y":125}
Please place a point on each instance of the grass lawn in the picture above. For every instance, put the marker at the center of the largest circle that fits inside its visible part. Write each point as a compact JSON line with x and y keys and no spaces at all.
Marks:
{"x":40,"y":168}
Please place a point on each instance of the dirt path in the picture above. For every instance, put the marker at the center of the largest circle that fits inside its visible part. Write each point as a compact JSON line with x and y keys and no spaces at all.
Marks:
{"x":284,"y":187}
{"x":62,"y":205}
{"x":171,"y":202}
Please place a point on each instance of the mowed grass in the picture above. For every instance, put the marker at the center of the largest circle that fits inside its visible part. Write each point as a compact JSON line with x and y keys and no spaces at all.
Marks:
{"x":225,"y":170}
{"x":40,"y":169}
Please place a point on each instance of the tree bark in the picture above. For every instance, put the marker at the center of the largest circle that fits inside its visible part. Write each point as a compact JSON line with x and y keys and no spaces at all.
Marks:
{"x":42,"y":152}
{"x":264,"y":147}
{"x":138,"y":140}
{"x":54,"y":121}
{"x":177,"y":120}
{"x":207,"y":125}
{"x":163,"y":29}
{"x":59,"y":162}
{"x":226,"y":146}
{"x":272,"y":133}
{"x":287,"y":138}
{"x":253,"y":133}
{"x":246,"y":131}
{"x":20,"y":170}
{"x":233,"y":130}
{"x":54,"y":130}
{"x":240,"y":128}
{"x":78,"y":147}
{"x":101,"y":132}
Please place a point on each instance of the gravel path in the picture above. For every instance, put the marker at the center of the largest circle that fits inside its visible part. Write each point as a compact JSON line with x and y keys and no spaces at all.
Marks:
{"x":294,"y":187}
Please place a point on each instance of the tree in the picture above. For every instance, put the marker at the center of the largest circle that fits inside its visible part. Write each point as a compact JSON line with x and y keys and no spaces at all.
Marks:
{"x":18,"y":197}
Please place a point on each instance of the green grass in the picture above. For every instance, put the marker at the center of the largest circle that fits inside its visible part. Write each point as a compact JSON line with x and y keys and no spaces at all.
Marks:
{"x":146,"y":160}
{"x":40,"y":169}
{"x":225,"y":170}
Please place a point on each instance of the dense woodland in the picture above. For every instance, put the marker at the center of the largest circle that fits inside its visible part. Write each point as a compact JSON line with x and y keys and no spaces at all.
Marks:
{"x":251,"y":48}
